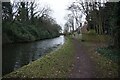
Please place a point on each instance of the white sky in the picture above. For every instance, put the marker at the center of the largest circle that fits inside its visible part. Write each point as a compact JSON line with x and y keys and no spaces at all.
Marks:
{"x":59,"y":9}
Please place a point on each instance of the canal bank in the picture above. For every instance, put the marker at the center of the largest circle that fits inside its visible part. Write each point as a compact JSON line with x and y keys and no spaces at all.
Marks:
{"x":56,"y":64}
{"x":75,"y":59}
{"x":19,"y":54}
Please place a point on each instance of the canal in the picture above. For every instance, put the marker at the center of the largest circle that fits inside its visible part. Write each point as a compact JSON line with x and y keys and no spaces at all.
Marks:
{"x":17,"y":55}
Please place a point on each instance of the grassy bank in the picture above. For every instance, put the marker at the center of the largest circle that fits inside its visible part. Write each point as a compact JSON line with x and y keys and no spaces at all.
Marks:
{"x":19,"y":32}
{"x":53,"y":65}
{"x":105,"y":60}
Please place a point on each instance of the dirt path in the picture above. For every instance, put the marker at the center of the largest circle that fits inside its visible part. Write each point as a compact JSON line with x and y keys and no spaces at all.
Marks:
{"x":83,"y":66}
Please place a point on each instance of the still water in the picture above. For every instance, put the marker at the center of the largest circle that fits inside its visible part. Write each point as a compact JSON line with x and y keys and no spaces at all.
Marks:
{"x":17,"y":55}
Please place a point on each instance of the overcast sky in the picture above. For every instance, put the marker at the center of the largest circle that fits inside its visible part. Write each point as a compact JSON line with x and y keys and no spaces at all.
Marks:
{"x":59,"y":8}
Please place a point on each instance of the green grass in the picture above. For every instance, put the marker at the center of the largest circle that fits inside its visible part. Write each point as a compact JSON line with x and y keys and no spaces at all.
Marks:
{"x":54,"y":65}
{"x":112,"y":54}
{"x":105,"y":67}
{"x":91,"y":36}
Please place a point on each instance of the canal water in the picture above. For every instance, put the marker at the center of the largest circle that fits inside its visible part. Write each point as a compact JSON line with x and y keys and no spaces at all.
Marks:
{"x":17,"y":55}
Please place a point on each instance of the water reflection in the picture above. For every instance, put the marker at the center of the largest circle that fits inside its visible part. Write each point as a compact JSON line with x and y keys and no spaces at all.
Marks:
{"x":16,"y":55}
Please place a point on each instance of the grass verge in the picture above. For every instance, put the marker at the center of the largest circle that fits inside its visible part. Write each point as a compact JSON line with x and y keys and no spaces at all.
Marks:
{"x":111,"y":53}
{"x":53,"y":65}
{"x":106,"y":67}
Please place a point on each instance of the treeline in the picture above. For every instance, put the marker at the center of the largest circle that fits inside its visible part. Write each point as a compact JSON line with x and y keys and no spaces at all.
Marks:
{"x":25,"y":21}
{"x":106,"y":20}
{"x":103,"y":17}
